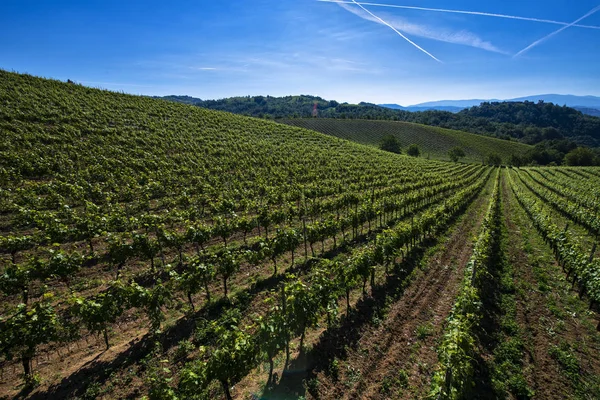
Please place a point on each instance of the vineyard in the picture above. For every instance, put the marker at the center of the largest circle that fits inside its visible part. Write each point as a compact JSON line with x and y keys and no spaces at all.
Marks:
{"x":151,"y":249}
{"x":434,"y":142}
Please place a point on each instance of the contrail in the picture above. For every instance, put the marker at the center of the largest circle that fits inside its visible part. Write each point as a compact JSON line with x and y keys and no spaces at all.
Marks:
{"x":485,"y":14}
{"x":397,"y":31}
{"x":556,"y":32}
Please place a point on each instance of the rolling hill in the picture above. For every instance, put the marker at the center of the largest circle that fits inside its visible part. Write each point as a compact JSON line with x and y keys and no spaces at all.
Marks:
{"x":157,"y":250}
{"x":138,"y":235}
{"x":527,"y":122}
{"x":589,"y":105}
{"x":452,"y":109}
{"x":434,"y":142}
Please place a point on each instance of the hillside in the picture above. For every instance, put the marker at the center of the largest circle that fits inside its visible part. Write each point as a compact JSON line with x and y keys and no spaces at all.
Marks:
{"x":150,"y":249}
{"x":270,"y":107}
{"x":527,"y":122}
{"x":434,"y":142}
{"x":532,"y":122}
{"x":52,"y":129}
{"x":452,"y":109}
{"x":123,"y":216}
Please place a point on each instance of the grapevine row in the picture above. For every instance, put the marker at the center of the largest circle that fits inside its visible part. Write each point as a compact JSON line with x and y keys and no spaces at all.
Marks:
{"x":582,"y":268}
{"x":300,"y":304}
{"x":121,"y":248}
{"x":572,"y":210}
{"x":454,"y":374}
{"x":103,"y":309}
{"x":577,"y":193}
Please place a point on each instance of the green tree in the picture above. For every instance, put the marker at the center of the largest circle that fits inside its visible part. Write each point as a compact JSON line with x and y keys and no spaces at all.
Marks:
{"x":326,"y":287}
{"x":363,"y":265}
{"x":493,"y":159}
{"x":223,"y":228}
{"x":13,"y":244}
{"x":413,"y":150}
{"x":390,"y":143}
{"x":456,"y":153}
{"x":146,"y":247}
{"x":173,"y":240}
{"x":119,"y":251}
{"x":516,"y":160}
{"x":581,"y":156}
{"x":18,"y":277}
{"x":63,"y":265}
{"x":90,"y":225}
{"x":151,"y":300}
{"x":347,"y":280}
{"x":199,"y":234}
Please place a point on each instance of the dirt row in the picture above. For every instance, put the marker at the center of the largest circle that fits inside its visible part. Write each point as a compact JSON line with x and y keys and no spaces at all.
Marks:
{"x":562,"y":348}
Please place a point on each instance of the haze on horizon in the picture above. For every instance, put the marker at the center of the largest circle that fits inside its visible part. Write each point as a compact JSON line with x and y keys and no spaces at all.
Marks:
{"x":393,"y":51}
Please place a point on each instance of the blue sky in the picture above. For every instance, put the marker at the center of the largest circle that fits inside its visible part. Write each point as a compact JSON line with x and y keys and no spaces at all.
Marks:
{"x":216,"y":49}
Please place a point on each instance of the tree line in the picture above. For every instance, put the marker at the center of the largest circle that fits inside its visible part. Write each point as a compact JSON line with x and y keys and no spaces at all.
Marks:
{"x":527,"y":122}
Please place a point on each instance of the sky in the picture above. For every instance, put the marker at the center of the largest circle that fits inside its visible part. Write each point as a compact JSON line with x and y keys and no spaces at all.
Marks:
{"x":388,"y":51}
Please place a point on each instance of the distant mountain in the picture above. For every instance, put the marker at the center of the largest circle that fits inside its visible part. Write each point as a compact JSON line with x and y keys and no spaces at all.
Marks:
{"x":180,"y":99}
{"x":589,"y":105}
{"x":393,"y":106}
{"x":453,"y":103}
{"x":300,"y":106}
{"x":594,"y":112}
{"x":564,"y":99}
{"x":451,"y":109}
{"x":558,"y":99}
{"x":531,"y":122}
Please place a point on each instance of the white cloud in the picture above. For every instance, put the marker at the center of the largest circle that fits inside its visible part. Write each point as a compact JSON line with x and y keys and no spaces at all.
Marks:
{"x":461,"y":37}
{"x":283,"y":62}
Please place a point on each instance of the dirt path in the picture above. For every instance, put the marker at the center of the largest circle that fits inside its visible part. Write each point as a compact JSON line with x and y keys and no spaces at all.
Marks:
{"x":399,"y":355}
{"x":561,"y":345}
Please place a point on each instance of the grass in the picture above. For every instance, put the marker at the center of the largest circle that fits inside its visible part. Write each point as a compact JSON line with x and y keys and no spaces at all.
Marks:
{"x":434,"y":142}
{"x":424,"y":331}
{"x":507,"y":365}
